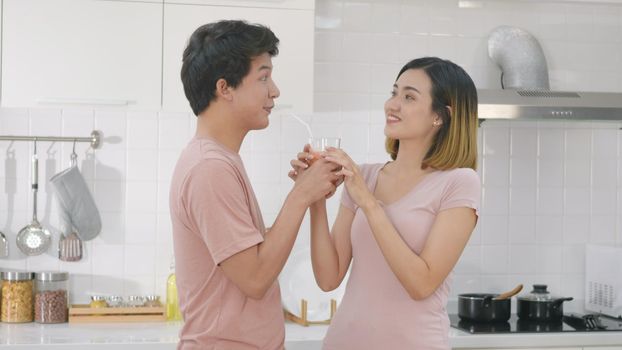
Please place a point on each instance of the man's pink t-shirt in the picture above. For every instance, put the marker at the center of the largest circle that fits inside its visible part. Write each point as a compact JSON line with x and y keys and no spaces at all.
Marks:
{"x":376,"y":311}
{"x":215,"y":215}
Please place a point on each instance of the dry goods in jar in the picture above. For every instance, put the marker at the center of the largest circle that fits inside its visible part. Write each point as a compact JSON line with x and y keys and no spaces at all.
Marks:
{"x":17,"y":303}
{"x":51,"y":306}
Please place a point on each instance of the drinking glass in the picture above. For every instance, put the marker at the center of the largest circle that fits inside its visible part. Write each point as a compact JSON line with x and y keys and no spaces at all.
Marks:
{"x":319,"y":144}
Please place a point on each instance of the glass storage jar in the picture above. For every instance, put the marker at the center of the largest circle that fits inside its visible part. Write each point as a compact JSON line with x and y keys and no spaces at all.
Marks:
{"x":51,"y":297}
{"x":17,"y":297}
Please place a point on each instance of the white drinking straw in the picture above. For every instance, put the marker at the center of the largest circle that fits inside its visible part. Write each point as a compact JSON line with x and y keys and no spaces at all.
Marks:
{"x":305,"y":124}
{"x":282,"y":107}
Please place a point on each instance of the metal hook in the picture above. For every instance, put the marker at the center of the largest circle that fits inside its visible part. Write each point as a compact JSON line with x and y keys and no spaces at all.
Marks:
{"x":35,"y":143}
{"x":74,"y":156}
{"x":50,"y":151}
{"x":9,"y":149}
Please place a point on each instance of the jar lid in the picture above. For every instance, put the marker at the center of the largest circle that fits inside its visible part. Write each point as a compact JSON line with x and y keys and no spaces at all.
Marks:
{"x":152,"y":297}
{"x":16,"y":276}
{"x":98,"y":298}
{"x":51,"y":276}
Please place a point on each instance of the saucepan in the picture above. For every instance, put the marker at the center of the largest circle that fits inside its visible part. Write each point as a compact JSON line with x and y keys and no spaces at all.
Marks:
{"x":539,"y":305}
{"x":486,"y":307}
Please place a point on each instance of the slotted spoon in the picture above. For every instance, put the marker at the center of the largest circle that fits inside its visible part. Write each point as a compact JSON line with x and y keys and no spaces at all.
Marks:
{"x":69,"y":245}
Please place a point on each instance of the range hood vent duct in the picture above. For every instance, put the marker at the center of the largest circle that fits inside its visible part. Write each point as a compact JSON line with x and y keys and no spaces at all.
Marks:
{"x":520,"y":58}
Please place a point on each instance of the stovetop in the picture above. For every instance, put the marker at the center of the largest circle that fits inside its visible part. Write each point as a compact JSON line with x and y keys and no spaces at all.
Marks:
{"x":570,"y":323}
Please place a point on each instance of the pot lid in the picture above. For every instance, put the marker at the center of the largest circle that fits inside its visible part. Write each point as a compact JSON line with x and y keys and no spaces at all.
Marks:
{"x":538,"y":293}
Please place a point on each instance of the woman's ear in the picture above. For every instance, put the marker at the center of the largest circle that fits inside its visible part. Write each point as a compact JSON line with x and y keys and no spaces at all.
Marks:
{"x":223,"y":90}
{"x":438,"y":121}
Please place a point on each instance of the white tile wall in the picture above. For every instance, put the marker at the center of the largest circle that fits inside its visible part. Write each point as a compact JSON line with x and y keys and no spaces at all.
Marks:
{"x":548,"y":188}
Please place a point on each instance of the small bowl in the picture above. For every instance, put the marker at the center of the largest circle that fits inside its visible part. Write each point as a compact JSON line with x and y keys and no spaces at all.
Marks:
{"x":115,"y":301}
{"x":135,"y":301}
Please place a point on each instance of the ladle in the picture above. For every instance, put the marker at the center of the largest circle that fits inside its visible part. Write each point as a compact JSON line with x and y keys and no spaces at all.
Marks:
{"x":34,"y":239}
{"x":4,"y":246}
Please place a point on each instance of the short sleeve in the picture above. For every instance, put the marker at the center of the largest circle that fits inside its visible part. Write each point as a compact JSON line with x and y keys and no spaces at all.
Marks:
{"x":463,"y":190}
{"x":217,"y":204}
{"x":370,"y":174}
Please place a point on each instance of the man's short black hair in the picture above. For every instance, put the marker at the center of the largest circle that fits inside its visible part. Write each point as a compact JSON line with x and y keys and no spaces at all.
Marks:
{"x":222,"y":50}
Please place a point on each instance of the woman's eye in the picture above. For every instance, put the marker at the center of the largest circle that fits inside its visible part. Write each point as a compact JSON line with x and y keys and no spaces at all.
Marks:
{"x":408,"y":97}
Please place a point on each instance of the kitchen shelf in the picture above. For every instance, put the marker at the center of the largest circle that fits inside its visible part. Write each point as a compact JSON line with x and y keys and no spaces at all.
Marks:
{"x":87,"y":314}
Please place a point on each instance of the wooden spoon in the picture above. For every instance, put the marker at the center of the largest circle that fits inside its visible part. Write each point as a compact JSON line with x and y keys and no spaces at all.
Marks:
{"x":509,"y":294}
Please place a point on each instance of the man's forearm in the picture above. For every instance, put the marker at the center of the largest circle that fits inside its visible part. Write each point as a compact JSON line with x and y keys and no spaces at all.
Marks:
{"x":279,"y":240}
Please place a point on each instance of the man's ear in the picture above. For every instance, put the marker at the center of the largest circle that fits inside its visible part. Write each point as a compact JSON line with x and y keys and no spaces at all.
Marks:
{"x":223,"y":90}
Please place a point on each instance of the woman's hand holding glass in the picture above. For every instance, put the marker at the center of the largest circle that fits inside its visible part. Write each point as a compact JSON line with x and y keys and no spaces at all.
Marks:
{"x":354,"y":181}
{"x":305,"y":159}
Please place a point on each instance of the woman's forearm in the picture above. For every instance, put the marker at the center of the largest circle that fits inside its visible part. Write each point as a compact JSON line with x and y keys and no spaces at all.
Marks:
{"x":324,"y":257}
{"x":410,"y":269}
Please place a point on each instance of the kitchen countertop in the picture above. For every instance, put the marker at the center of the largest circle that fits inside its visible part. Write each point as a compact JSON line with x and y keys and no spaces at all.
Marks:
{"x":160,"y":336}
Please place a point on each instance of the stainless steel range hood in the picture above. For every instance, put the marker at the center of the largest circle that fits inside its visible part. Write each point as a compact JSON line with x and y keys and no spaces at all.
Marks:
{"x":549,"y":105}
{"x":525,"y":94}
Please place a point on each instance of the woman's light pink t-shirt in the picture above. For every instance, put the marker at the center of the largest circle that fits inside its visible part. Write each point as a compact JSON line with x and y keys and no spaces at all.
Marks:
{"x":376,"y":312}
{"x":215,"y":215}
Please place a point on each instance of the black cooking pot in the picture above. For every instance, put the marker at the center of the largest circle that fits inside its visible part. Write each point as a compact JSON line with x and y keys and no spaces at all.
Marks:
{"x":482,"y":307}
{"x":539,"y":305}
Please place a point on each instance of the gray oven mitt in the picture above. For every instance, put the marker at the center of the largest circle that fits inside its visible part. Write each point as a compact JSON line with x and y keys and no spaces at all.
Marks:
{"x":75,"y":199}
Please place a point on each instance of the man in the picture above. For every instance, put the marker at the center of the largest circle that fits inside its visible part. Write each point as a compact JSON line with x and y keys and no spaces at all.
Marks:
{"x":226,"y":263}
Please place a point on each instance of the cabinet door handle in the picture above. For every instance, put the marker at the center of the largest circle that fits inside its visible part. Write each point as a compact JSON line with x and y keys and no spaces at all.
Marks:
{"x":84,"y":101}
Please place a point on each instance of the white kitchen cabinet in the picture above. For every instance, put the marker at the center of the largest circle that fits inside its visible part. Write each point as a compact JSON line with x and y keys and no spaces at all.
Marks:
{"x":566,"y":1}
{"x":152,"y":1}
{"x":67,"y":52}
{"x":283,"y":4}
{"x":545,"y":348}
{"x":0,"y":47}
{"x":293,"y":67}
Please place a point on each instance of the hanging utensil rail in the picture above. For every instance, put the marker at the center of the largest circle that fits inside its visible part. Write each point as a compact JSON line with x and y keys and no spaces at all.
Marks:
{"x":95,"y":139}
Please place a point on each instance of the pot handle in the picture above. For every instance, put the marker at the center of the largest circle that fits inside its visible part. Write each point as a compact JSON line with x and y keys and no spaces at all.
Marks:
{"x":487,"y":301}
{"x":557,"y":303}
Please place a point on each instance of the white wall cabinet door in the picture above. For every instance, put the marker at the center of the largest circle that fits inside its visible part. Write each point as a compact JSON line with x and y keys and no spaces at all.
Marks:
{"x":293,"y":67}
{"x":544,"y":348}
{"x":82,"y":52}
{"x":283,"y":4}
{"x":0,"y":49}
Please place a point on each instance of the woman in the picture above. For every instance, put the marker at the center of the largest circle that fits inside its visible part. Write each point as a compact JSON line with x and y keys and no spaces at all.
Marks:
{"x":405,"y":223}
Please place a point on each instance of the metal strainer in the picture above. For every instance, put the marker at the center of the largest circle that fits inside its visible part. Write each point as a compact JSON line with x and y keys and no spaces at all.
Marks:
{"x":34,"y":239}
